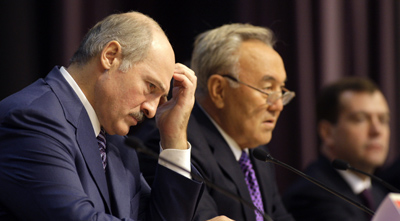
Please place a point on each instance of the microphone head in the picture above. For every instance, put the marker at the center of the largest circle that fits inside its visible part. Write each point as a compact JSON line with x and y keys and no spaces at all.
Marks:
{"x":262,"y":155}
{"x":340,"y":164}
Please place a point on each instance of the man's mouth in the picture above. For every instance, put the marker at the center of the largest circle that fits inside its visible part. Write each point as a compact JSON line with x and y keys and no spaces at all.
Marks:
{"x":138,"y":116}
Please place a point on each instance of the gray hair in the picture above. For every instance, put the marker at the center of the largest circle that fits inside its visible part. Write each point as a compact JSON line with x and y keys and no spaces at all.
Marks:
{"x":132,"y":30}
{"x":215,"y":50}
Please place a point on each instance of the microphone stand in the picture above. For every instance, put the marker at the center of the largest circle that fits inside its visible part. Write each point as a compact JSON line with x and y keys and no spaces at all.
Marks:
{"x":264,"y":156}
{"x":140,"y":147}
{"x":342,"y":165}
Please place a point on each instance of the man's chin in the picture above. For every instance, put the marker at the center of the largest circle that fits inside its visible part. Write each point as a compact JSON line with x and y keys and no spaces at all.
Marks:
{"x":266,"y":139}
{"x":378,"y":163}
{"x":259,"y":142}
{"x":122,"y":131}
{"x":377,"y":158}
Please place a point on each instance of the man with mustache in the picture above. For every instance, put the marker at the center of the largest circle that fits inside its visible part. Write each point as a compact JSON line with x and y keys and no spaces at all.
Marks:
{"x":353,"y":124}
{"x":52,"y":167}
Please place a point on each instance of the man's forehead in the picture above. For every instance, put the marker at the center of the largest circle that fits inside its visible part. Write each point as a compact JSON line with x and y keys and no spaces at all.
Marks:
{"x":351,"y":97}
{"x":267,"y":77}
{"x":363,"y":102}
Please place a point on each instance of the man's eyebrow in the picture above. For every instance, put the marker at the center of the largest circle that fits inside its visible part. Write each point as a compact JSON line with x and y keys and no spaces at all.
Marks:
{"x":366,"y":112}
{"x":159,"y":84}
{"x":268,"y":77}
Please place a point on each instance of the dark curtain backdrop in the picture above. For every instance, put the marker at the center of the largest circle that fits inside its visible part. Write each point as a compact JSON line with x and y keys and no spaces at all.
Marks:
{"x":320,"y":41}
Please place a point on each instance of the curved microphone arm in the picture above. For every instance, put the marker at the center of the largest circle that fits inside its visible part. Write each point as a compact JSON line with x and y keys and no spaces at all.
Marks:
{"x":264,"y":156}
{"x":343,"y":165}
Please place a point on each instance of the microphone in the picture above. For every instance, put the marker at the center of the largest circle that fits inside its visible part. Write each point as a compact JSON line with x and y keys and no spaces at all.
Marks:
{"x":138,"y":145}
{"x":343,"y":165}
{"x":262,"y":155}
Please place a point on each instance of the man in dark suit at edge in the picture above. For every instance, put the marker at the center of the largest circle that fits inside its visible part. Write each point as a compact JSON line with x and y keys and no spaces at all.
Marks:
{"x":353,"y":124}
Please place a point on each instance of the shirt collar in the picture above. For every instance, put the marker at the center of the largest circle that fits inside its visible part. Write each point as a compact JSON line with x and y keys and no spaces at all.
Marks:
{"x":236,"y":150}
{"x":89,"y":109}
{"x":356,"y":183}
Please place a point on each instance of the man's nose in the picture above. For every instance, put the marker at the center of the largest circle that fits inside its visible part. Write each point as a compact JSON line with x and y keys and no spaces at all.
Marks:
{"x":149,"y":107}
{"x":375,"y":126}
{"x":277,"y":105}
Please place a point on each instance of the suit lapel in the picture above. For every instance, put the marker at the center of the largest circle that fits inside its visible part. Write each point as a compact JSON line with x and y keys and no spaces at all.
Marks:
{"x":225,"y":158}
{"x":264,"y":180}
{"x":84,"y":131}
{"x":231,"y":168}
{"x":335,"y":181}
{"x":89,"y":148}
{"x":118,"y":181}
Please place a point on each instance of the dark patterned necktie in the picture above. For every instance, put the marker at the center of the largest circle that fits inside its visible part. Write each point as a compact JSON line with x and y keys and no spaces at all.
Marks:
{"x":252,"y":184}
{"x":367,"y":198}
{"x":101,"y":140}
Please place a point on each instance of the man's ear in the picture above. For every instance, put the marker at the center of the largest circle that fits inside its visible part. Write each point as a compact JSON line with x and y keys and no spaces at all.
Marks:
{"x":111,"y":55}
{"x":326,"y":132}
{"x":216,"y":89}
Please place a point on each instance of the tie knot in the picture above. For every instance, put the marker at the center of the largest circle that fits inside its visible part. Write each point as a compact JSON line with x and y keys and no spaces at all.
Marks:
{"x":102,"y":137}
{"x":244,"y":161}
{"x":366,"y":193}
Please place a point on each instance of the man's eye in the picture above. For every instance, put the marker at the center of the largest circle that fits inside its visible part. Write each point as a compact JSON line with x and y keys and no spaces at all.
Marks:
{"x":152,"y":87}
{"x":358,"y":118}
{"x":272,"y":88}
{"x":267,"y":88}
{"x":384,"y":119}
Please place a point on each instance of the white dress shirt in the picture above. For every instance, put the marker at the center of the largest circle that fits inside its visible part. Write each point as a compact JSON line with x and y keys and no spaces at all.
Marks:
{"x":356,"y":183}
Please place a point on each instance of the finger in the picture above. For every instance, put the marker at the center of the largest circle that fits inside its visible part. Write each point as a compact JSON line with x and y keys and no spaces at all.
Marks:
{"x":182,"y":85}
{"x":182,"y":73}
{"x":182,"y":80}
{"x":184,"y":70}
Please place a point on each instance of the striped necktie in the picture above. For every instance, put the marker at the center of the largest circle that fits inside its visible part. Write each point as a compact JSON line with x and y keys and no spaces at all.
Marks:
{"x":101,"y":140}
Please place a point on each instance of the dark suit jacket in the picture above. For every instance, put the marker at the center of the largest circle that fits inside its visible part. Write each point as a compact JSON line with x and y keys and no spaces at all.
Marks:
{"x":50,"y":167}
{"x":214,"y":159}
{"x":391,"y":174}
{"x":306,"y":201}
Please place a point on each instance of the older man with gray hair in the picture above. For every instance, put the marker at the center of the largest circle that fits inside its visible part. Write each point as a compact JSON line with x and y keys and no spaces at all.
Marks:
{"x":240,"y":95}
